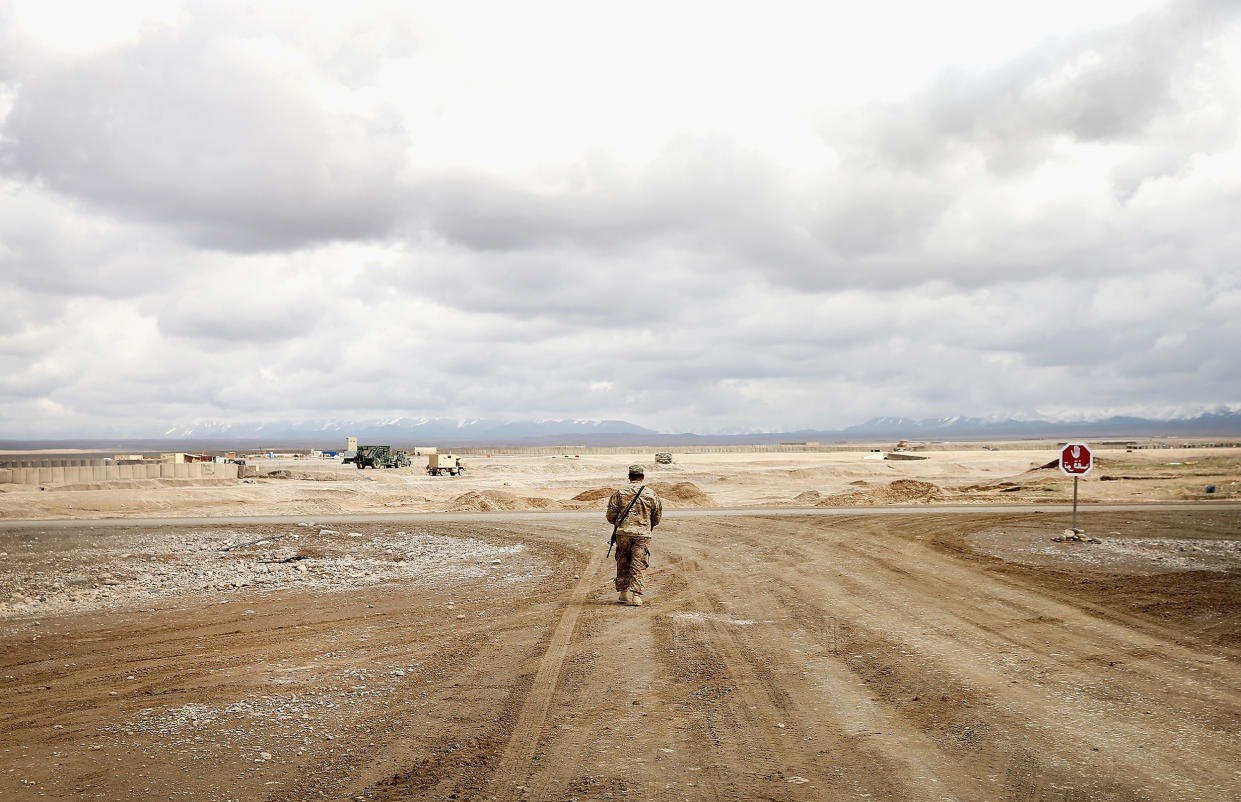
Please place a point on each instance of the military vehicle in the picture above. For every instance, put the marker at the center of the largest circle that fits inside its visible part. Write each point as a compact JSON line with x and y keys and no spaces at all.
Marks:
{"x":379,"y":457}
{"x":663,"y":457}
{"x":440,"y":464}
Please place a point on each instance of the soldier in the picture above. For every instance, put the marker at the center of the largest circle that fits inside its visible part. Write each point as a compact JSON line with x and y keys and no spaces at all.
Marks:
{"x":636,"y":510}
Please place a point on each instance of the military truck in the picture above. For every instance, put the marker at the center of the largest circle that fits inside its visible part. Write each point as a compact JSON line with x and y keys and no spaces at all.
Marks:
{"x":379,"y":457}
{"x":440,"y":464}
{"x":663,"y":457}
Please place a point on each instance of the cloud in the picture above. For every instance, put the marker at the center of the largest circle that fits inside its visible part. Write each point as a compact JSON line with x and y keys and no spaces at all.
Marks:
{"x":267,"y":214}
{"x":216,"y":131}
{"x":1110,"y":85}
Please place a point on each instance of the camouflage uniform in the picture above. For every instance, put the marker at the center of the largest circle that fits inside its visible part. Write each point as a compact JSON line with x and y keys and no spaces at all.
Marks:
{"x":633,"y":537}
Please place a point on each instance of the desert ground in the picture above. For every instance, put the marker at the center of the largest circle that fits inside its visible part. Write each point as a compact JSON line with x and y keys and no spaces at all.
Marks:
{"x":820,"y":626}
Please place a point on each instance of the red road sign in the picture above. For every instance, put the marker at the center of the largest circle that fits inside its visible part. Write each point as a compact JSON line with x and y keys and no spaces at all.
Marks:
{"x":1076,"y":459}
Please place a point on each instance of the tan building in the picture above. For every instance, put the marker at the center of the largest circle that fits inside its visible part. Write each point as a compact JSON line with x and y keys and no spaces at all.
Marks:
{"x":179,"y":457}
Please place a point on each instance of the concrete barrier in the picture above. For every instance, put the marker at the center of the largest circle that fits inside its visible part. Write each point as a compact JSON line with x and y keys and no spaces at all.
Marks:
{"x":74,"y":474}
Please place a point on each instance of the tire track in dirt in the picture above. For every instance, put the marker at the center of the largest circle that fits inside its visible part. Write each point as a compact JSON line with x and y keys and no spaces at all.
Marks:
{"x":937,"y":741}
{"x":902,"y":669}
{"x":934,"y":724}
{"x":608,"y":694}
{"x":1037,"y":667}
{"x":763,"y":705}
{"x":795,"y":673}
{"x":514,"y":764}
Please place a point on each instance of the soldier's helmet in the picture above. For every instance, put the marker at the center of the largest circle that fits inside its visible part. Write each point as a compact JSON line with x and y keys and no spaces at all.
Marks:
{"x":637,"y":470}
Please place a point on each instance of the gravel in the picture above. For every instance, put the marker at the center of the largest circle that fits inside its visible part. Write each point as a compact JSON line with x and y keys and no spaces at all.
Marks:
{"x":49,"y":573}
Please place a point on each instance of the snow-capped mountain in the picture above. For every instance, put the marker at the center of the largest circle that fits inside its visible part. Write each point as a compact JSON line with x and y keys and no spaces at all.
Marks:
{"x":404,"y":432}
{"x":404,"y":429}
{"x":1221,"y":422}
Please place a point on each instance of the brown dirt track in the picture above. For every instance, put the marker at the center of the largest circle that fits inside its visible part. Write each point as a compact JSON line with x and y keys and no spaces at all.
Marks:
{"x":799,"y":657}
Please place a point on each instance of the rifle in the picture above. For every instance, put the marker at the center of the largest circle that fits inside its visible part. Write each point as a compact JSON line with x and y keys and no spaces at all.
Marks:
{"x":621,"y":520}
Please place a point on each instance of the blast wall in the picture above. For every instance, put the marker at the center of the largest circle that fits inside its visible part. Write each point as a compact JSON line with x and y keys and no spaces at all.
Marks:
{"x":72,"y":474}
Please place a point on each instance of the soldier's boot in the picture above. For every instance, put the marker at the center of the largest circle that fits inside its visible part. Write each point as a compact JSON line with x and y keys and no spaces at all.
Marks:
{"x":635,"y":600}
{"x":624,"y":597}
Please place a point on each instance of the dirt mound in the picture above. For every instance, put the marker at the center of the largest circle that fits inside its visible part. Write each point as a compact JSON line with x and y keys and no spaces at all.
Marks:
{"x":594,"y":495}
{"x":912,"y":490}
{"x":139,"y":484}
{"x":497,"y":500}
{"x":682,"y":494}
{"x":1004,"y":487}
{"x":283,"y":473}
{"x":811,"y":473}
{"x":902,"y":491}
{"x":808,"y":497}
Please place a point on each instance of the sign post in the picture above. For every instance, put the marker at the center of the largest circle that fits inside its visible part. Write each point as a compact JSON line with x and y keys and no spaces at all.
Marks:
{"x":1076,"y":460}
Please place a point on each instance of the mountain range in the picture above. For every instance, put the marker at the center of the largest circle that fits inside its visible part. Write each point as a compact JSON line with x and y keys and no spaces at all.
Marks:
{"x":447,"y":432}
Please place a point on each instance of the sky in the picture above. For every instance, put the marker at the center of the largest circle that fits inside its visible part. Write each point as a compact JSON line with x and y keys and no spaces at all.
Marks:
{"x":693,"y":216}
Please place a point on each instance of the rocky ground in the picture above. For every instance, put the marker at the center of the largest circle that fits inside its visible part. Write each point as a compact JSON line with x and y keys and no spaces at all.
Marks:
{"x":57,"y":571}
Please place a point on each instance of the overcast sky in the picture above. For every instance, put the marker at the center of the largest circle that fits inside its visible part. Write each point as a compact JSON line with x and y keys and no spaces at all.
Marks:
{"x":704,"y":217}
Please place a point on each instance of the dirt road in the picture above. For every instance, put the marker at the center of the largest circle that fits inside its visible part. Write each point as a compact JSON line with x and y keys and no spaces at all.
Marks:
{"x":850,"y":656}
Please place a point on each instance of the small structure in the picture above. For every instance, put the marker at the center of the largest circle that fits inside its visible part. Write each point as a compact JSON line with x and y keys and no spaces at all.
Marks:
{"x":180,"y":457}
